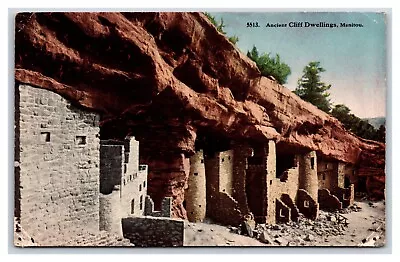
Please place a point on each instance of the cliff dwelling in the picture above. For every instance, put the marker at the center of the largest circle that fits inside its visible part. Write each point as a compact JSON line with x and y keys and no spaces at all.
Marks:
{"x":125,"y":153}
{"x":81,"y":184}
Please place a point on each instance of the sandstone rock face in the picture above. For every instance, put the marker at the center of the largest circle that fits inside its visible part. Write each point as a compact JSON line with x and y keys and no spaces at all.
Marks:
{"x":172,"y":80}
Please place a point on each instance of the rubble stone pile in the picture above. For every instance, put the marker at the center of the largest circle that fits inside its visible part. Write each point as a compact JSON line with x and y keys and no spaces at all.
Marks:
{"x":302,"y":233}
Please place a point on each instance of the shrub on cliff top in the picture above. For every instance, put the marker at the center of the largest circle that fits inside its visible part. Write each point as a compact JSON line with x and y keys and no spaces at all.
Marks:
{"x":270,"y":66}
{"x":357,"y":125}
{"x":220,"y":27}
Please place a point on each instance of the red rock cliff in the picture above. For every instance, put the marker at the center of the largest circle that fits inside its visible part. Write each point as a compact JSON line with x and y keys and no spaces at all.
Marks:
{"x":171,"y":79}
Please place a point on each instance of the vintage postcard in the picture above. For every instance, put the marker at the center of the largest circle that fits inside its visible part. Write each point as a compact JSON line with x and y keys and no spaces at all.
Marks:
{"x":171,"y":129}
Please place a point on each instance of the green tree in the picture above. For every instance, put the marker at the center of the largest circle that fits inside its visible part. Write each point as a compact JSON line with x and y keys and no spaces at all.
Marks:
{"x":220,"y":27}
{"x":270,"y":66}
{"x":381,"y":133}
{"x":233,"y":39}
{"x":342,"y":113}
{"x":356,"y":125}
{"x":311,"y":89}
{"x":365,"y":130}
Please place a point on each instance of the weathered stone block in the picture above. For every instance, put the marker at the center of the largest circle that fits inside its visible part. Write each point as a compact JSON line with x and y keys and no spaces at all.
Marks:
{"x":306,"y":204}
{"x":153,"y":232}
{"x":282,"y":212}
{"x":294,"y":211}
{"x":327,"y":201}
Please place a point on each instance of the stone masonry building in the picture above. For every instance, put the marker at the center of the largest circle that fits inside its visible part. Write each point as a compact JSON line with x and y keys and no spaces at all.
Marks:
{"x":125,"y":207}
{"x":265,"y":183}
{"x":73,"y":189}
{"x":122,"y":183}
{"x":57,"y":165}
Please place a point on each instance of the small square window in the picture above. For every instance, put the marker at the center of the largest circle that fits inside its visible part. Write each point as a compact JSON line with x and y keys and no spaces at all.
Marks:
{"x":202,"y":161}
{"x":223,"y":159}
{"x":45,"y":136}
{"x":306,"y":203}
{"x":80,"y":140}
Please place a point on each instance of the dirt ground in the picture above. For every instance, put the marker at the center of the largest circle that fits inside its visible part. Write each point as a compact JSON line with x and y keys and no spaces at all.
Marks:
{"x":366,"y":227}
{"x":366,"y":224}
{"x":203,"y":234}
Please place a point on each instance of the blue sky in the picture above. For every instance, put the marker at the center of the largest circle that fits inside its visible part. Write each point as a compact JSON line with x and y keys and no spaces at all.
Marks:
{"x":354,"y":58}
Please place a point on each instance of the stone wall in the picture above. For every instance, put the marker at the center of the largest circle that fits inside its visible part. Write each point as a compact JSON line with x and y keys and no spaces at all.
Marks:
{"x":282,"y":212}
{"x":241,"y":152}
{"x":195,"y":195}
{"x":306,"y":204}
{"x":212,"y":168}
{"x":350,"y":173}
{"x":345,"y":195}
{"x":331,"y":176}
{"x":133,"y":193}
{"x":308,"y":178}
{"x":123,"y":183}
{"x":120,"y":171}
{"x":291,"y":185}
{"x":341,"y":174}
{"x":256,"y":189}
{"x":226,"y":210}
{"x":285,"y":186}
{"x":226,"y":171}
{"x":133,"y":180}
{"x":349,"y":194}
{"x":327,"y":175}
{"x":57,"y":156}
{"x":281,"y":187}
{"x":327,"y":201}
{"x":221,"y":206}
{"x":153,"y":231}
{"x":287,"y":183}
{"x":111,"y":166}
{"x":110,"y":212}
{"x":165,"y":211}
{"x":289,"y":202}
{"x":272,"y":183}
{"x":131,"y":146}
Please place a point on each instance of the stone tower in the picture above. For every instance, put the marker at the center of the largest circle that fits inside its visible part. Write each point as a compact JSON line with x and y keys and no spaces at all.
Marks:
{"x":308,"y":178}
{"x":196,"y":193}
